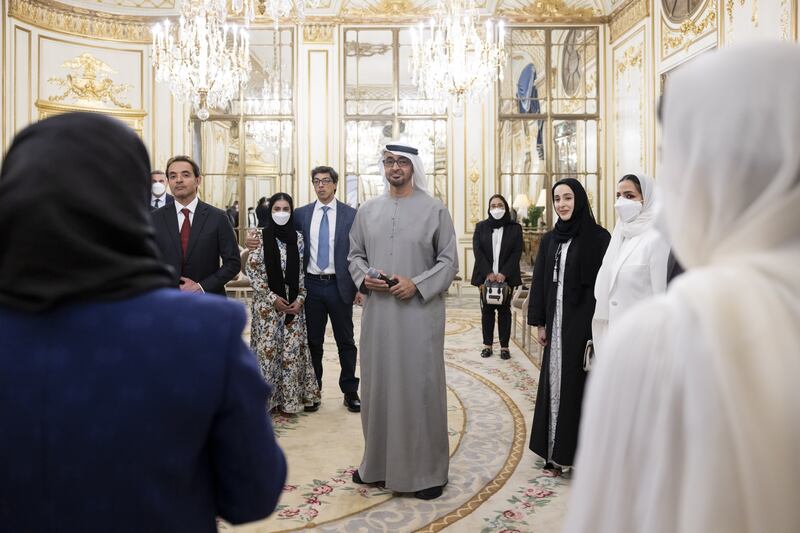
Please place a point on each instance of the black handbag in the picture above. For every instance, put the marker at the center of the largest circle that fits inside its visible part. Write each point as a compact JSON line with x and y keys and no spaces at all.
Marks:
{"x":495,"y":292}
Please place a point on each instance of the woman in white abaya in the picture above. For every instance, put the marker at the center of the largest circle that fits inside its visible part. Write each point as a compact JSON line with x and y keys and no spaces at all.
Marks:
{"x":692,"y":421}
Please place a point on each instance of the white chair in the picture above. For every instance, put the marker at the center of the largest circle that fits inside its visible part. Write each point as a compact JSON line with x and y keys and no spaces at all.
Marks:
{"x":519,"y":308}
{"x":240,"y":286}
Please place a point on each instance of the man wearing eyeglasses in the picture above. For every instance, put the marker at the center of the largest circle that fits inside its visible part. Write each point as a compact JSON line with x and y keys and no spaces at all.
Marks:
{"x":331,"y":293}
{"x":403,"y":254}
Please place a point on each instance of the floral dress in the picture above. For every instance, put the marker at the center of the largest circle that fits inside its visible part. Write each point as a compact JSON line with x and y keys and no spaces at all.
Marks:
{"x":282,"y":349}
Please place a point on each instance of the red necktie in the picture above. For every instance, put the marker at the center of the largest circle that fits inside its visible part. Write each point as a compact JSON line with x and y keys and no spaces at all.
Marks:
{"x":186,"y":228}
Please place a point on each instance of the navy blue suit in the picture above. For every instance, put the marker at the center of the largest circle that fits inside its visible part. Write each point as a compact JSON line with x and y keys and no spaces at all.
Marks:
{"x":147,"y":414}
{"x":331,"y":298}
{"x":166,"y":200}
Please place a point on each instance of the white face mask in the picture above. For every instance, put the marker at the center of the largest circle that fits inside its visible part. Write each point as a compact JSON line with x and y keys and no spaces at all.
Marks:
{"x":497,"y":213}
{"x":158,"y":188}
{"x":627,"y":209}
{"x":281,"y":217}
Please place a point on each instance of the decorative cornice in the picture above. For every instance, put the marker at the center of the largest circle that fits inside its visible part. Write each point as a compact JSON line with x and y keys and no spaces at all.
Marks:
{"x":55,"y":16}
{"x":625,"y":17}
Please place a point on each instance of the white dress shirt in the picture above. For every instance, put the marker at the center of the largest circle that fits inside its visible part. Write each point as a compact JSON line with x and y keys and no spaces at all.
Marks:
{"x":313,"y":236}
{"x":191,"y":207}
{"x":497,"y":239}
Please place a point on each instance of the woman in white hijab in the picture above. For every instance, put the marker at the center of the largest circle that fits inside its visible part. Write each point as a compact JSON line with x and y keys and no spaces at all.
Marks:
{"x":635,"y":264}
{"x":692,"y":421}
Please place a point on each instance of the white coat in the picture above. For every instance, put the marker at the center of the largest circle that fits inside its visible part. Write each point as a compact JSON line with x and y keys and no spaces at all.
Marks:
{"x":634,"y":268}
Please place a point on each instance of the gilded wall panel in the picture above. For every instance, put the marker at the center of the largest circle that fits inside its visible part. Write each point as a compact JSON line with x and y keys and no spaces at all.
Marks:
{"x":91,"y":77}
{"x":753,"y":20}
{"x":677,"y":37}
{"x":629,"y":92}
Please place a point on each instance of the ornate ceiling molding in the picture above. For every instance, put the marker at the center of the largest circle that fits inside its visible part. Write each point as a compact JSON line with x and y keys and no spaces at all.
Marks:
{"x":625,"y":17}
{"x":558,"y":11}
{"x":55,"y":16}
{"x":387,"y":9}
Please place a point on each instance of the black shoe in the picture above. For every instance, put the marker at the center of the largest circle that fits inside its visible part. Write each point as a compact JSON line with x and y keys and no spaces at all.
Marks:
{"x":429,"y":494}
{"x":357,"y":479}
{"x":311,"y":408}
{"x":504,"y":353}
{"x":352,"y":402}
{"x":486,"y":352}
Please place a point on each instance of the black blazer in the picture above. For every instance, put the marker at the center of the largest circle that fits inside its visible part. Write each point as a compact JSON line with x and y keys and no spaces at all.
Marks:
{"x":211,"y":238}
{"x":510,"y":253}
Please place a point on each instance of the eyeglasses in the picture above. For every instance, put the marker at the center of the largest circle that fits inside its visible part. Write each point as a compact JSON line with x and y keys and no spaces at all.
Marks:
{"x":402,"y":162}
{"x":323,"y":181}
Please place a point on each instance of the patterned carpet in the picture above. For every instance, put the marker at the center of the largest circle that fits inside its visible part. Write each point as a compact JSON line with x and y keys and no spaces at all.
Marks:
{"x":496,"y":483}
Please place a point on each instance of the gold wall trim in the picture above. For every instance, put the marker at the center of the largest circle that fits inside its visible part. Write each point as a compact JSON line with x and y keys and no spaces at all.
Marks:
{"x":625,"y":17}
{"x":631,"y":58}
{"x":52,"y":15}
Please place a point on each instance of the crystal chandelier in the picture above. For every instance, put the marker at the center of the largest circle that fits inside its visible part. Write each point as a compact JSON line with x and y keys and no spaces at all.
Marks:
{"x":243,"y":8}
{"x":451,"y":60}
{"x":205,"y":60}
{"x":278,"y":9}
{"x":275,"y":100}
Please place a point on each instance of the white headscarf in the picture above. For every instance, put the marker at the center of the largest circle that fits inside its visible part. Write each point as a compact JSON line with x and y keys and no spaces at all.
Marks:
{"x":693,"y":421}
{"x":647,"y":216}
{"x":419,"y":179}
{"x":623,"y":230}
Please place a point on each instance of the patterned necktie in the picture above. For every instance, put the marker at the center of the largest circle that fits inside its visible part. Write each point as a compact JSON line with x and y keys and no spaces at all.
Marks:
{"x":323,"y":246}
{"x":155,"y":204}
{"x":186,"y":228}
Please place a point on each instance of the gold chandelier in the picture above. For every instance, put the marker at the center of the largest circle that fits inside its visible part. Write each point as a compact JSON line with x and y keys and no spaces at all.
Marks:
{"x":451,"y":60}
{"x":205,"y":60}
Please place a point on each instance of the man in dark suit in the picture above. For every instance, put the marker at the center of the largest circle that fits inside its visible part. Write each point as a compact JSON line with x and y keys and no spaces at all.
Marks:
{"x":193,"y":235}
{"x":331,"y":293}
{"x":159,"y":197}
